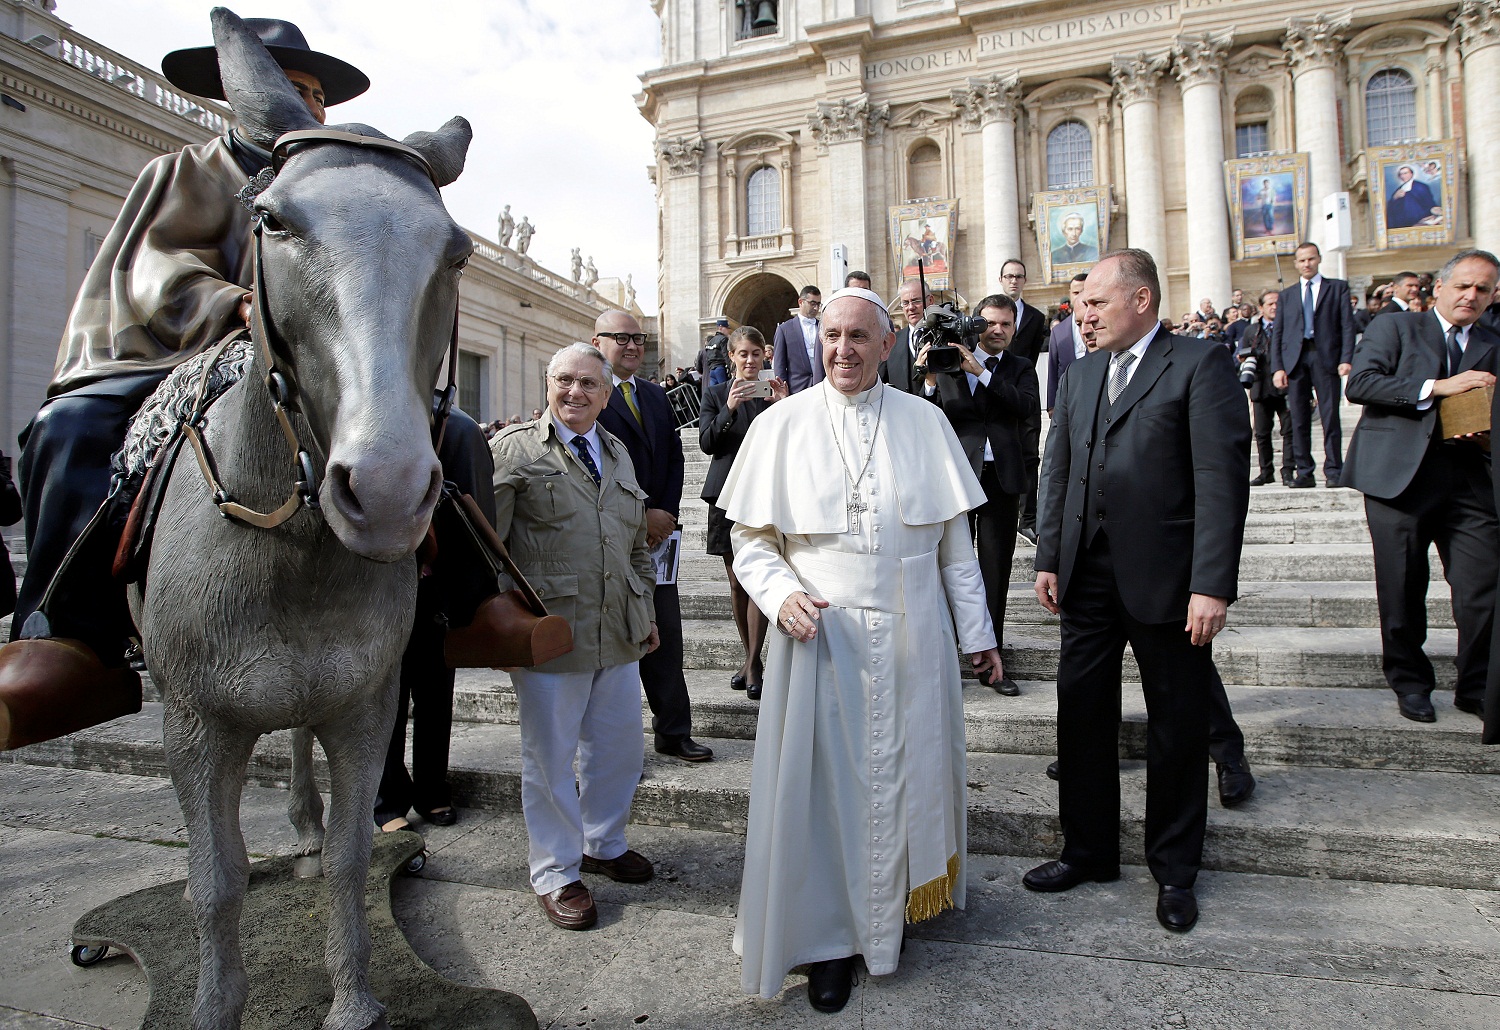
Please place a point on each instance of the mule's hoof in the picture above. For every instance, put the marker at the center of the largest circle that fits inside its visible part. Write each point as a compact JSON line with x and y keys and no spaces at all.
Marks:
{"x":363,"y":1013}
{"x":308,"y":867}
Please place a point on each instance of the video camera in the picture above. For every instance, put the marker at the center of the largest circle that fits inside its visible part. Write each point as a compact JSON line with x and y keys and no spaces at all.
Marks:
{"x":942,"y":326}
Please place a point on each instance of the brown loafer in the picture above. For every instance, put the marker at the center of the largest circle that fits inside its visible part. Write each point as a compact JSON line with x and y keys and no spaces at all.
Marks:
{"x":51,"y":687}
{"x":631,"y":867}
{"x":570,"y":907}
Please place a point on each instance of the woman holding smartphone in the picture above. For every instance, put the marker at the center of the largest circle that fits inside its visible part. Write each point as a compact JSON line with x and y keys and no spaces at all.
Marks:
{"x":727,"y":411}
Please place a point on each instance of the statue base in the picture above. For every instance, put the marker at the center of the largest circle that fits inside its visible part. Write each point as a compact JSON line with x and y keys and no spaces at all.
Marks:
{"x":282,"y":930}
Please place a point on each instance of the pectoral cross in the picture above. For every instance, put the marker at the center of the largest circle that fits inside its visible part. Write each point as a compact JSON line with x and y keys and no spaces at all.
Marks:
{"x":855,"y":507}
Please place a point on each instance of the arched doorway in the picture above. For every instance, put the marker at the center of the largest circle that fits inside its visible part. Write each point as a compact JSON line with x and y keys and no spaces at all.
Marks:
{"x":764,"y":301}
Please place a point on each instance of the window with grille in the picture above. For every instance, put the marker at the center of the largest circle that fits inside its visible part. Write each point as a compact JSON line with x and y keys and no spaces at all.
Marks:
{"x":1252,"y":139}
{"x":763,"y":202}
{"x":471,"y":375}
{"x":1390,"y":107}
{"x":1070,"y":156}
{"x":924,"y":172}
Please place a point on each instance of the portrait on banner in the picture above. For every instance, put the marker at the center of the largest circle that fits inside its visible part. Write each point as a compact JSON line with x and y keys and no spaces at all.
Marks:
{"x":1072,"y":230}
{"x":1268,"y":203}
{"x":925,"y":231}
{"x":1412,"y":193}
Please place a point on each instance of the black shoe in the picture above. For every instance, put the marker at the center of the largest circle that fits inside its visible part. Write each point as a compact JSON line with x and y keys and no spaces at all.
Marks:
{"x":1176,"y":908}
{"x":1286,"y":477}
{"x":685,"y":748}
{"x":446,"y":815}
{"x":828,"y":983}
{"x":1416,"y":707}
{"x":1028,"y":534}
{"x":1470,"y":705}
{"x":1330,"y":480}
{"x":1301,"y":482}
{"x":752,"y":691}
{"x":1236,"y":782}
{"x":1052,"y":771}
{"x":1264,"y":479}
{"x":1006,"y":686}
{"x":1058,"y":876}
{"x":737,"y":681}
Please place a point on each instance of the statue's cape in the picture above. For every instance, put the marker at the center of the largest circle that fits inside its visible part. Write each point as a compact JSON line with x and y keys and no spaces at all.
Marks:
{"x":789,"y":474}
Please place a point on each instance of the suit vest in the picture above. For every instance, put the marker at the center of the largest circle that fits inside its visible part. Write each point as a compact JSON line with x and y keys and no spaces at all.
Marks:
{"x":1093,"y":507}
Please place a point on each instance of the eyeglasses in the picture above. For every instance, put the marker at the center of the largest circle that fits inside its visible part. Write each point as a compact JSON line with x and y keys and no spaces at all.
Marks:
{"x":623,"y":338}
{"x":587,"y":384}
{"x":1013,"y":275}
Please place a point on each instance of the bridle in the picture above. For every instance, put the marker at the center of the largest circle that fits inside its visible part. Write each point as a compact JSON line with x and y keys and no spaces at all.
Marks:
{"x":283,"y":394}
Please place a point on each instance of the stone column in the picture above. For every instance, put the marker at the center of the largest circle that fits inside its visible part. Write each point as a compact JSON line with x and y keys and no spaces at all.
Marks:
{"x":680,"y":160}
{"x":991,"y":104}
{"x":1479,"y":31}
{"x":1135,"y":81}
{"x":1314,"y":45}
{"x":839,"y":128}
{"x":1198,"y":62}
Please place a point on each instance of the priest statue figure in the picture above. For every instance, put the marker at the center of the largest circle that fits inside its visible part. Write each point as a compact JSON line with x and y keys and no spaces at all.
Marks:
{"x":850,"y":506}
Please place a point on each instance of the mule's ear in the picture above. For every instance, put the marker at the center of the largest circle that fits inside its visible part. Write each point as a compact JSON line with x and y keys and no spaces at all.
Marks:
{"x":263,"y":98}
{"x":445,"y":149}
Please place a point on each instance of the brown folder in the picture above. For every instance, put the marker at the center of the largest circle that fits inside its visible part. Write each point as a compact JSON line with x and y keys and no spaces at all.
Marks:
{"x":1466,"y":413}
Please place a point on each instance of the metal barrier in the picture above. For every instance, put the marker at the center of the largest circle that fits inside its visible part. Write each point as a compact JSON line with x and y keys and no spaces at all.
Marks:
{"x":684,"y":399}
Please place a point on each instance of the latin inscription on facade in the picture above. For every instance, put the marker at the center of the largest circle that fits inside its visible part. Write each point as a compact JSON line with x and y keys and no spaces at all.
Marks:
{"x":1019,"y":40}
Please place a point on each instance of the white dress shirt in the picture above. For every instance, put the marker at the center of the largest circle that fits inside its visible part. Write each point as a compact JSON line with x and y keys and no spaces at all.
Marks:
{"x":592,"y":437}
{"x":1139,"y":350}
{"x":1424,"y":397}
{"x":809,"y":334}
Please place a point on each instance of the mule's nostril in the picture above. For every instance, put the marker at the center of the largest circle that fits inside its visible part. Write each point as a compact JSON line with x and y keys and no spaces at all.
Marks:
{"x":434,"y":489}
{"x":341,"y":482}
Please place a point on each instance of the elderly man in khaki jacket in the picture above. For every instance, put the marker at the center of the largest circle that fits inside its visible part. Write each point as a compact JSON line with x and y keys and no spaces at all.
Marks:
{"x":574,"y":518}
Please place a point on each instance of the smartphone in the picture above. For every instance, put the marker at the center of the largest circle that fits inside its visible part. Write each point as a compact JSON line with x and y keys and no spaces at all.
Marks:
{"x":762,"y":388}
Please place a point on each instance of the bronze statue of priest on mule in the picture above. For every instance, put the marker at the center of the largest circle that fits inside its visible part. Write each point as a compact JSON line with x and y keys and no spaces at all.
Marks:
{"x":282,"y":472}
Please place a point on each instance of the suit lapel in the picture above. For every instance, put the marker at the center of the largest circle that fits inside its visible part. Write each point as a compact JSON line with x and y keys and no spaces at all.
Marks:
{"x":1158,"y":357}
{"x":625,"y":416}
{"x":1480,"y":351}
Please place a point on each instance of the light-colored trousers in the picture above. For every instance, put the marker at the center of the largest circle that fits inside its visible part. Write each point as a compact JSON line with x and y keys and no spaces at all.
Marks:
{"x":594,"y":717}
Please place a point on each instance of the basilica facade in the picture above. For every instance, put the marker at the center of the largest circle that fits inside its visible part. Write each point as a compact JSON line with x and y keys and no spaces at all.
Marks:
{"x":798,"y":139}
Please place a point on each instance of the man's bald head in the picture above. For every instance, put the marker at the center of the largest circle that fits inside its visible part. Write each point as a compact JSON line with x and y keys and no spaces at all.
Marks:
{"x":1120,"y":298}
{"x":619,"y":338}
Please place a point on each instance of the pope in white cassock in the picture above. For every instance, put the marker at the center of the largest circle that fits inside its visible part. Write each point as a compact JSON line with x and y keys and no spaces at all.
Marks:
{"x":849,"y":501}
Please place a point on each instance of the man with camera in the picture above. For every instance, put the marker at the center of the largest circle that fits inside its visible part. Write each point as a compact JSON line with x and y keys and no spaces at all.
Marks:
{"x":896,"y":370}
{"x":987,"y":399}
{"x":1267,"y":401}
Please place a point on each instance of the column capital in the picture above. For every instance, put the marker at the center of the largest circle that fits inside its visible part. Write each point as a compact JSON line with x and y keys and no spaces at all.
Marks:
{"x":1198,"y":57}
{"x":683,"y":154}
{"x":1478,"y":24}
{"x":987,"y":99}
{"x":1315,"y":42}
{"x":848,"y":118}
{"x":1135,"y":78}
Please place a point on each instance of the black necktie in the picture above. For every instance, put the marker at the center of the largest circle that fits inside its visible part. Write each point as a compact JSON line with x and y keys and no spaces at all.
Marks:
{"x":992,"y":363}
{"x":1455,"y":352}
{"x":581,"y":445}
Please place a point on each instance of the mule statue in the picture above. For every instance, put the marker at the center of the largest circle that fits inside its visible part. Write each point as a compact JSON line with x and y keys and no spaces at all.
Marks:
{"x":249,"y":629}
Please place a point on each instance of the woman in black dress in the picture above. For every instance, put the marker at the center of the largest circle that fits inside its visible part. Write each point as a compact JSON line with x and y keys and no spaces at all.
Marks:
{"x":728,"y":409}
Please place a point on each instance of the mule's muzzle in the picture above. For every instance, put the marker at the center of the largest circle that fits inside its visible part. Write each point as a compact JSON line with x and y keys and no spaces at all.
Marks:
{"x":378,"y":505}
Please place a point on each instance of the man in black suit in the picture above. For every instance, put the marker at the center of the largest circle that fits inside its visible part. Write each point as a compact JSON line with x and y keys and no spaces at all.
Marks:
{"x":1145,"y":499}
{"x":1066,"y":343}
{"x":1311,"y":348}
{"x":1420,"y":487}
{"x":1403,"y":291}
{"x":1031,"y":330}
{"x":1266,"y":401}
{"x":639,"y":414}
{"x":896,"y":369}
{"x":988,"y":404}
{"x":797,"y":358}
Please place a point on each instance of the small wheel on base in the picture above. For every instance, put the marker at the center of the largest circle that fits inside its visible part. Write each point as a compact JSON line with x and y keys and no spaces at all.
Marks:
{"x":87,"y":955}
{"x":415,"y":864}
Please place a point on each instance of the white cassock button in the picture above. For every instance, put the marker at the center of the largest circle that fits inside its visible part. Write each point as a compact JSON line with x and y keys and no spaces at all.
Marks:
{"x":875,"y":941}
{"x":875,"y":786}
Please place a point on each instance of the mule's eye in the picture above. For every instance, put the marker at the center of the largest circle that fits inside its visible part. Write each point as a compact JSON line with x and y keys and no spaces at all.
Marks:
{"x":269,"y":223}
{"x":460,"y":264}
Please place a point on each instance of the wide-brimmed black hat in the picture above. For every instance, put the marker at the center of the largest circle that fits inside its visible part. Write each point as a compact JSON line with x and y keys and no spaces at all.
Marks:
{"x":196,"y":70}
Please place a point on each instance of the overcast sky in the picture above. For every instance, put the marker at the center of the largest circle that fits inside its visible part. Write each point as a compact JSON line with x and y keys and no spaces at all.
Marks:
{"x":547,"y":84}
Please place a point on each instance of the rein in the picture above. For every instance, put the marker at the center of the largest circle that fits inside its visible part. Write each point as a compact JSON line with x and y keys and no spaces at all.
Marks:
{"x":283,"y":395}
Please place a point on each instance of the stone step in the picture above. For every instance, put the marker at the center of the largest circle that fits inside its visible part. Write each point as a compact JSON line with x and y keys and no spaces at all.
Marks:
{"x":1342,"y":728}
{"x":1408,"y":827}
{"x":1259,"y":563}
{"x":1250,"y":655}
{"x":1333,"y":605}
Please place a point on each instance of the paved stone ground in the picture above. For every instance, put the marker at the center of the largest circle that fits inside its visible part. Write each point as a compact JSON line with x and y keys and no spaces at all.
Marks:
{"x":1271,"y":952}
